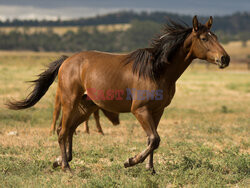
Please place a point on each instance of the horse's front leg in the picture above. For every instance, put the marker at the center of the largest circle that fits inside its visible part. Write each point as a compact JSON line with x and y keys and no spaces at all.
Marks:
{"x":86,"y":126}
{"x":144,"y":116}
{"x":150,"y":163}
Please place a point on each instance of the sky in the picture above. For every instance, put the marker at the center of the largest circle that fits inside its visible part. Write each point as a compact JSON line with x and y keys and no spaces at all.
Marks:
{"x":67,"y":9}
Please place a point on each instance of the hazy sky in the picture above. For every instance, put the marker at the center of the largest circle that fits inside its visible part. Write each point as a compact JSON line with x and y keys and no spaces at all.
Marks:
{"x":65,"y":9}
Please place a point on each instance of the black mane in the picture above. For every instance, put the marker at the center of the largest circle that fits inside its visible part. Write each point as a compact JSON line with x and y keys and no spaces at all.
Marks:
{"x":149,"y":62}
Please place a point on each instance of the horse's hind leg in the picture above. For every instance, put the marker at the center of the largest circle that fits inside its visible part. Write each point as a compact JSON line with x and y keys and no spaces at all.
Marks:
{"x":62,"y":137}
{"x":69,"y":107}
{"x":82,"y":114}
{"x":56,"y":113}
{"x":77,"y":120}
{"x":68,"y":141}
{"x":72,"y":117}
{"x":97,"y":120}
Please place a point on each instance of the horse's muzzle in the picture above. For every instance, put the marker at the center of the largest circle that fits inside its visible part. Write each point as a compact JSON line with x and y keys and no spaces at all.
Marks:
{"x":223,"y":62}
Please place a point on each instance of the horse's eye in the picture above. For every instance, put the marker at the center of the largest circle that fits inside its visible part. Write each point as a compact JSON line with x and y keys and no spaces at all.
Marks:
{"x":204,"y":39}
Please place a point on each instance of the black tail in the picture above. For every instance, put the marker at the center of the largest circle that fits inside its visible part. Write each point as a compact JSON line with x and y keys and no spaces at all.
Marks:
{"x":42,"y":84}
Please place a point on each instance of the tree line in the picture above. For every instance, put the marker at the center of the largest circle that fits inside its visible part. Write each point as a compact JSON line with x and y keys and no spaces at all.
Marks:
{"x":237,"y":22}
{"x":139,"y":35}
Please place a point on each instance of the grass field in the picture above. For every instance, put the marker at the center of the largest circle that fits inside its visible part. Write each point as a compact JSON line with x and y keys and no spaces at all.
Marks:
{"x":204,"y":134}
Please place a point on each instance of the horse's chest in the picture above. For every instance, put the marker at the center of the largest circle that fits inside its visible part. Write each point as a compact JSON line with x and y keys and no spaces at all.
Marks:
{"x":168,"y":95}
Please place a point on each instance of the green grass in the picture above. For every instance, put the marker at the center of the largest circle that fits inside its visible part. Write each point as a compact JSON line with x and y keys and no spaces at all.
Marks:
{"x":204,"y":135}
{"x":240,"y":87}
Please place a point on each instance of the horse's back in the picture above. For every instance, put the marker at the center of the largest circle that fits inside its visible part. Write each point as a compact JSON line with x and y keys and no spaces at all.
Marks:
{"x":107,"y":73}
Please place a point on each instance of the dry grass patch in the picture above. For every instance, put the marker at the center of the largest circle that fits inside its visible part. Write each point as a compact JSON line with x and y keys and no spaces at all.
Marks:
{"x":204,"y":135}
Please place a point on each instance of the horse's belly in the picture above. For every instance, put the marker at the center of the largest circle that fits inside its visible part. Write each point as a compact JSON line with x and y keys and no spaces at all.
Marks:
{"x":118,"y":106}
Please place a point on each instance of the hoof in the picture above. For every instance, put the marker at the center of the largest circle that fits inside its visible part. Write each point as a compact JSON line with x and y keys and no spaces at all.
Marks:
{"x":100,"y":132}
{"x":58,"y":162}
{"x":116,"y":123}
{"x":150,"y":168}
{"x":152,"y":171}
{"x":128,"y":163}
{"x":67,"y":170}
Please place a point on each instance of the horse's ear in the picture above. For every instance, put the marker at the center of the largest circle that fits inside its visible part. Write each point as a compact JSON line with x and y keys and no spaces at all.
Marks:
{"x":209,"y":22}
{"x":195,"y":24}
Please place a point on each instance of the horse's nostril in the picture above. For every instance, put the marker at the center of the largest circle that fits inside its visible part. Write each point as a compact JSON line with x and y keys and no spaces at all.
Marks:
{"x":225,"y":59}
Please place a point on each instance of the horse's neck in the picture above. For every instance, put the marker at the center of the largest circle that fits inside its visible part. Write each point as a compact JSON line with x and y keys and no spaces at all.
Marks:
{"x":178,"y":65}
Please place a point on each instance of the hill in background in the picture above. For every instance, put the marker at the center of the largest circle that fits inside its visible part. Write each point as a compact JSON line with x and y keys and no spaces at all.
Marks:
{"x":119,"y":32}
{"x":231,"y":23}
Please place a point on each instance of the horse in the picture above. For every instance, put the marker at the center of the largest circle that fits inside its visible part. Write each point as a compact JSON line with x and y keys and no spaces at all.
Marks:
{"x":141,"y":82}
{"x":113,"y":117}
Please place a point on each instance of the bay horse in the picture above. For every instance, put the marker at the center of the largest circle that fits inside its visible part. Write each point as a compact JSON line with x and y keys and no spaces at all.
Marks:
{"x":112,"y":117}
{"x":141,"y":82}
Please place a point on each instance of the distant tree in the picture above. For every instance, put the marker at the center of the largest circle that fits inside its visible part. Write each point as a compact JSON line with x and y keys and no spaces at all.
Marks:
{"x":139,"y":35}
{"x":244,"y":37}
{"x":238,"y":22}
